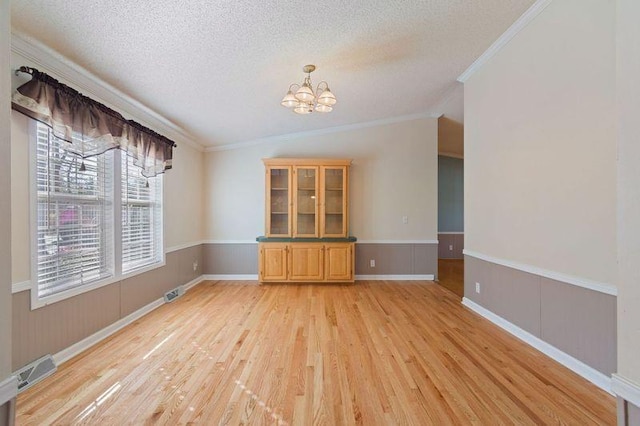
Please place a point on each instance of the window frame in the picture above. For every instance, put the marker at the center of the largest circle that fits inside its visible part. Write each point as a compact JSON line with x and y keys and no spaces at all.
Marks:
{"x":116,"y":241}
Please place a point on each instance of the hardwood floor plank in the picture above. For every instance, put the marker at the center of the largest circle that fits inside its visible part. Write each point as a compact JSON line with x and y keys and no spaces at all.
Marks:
{"x":378,"y":352}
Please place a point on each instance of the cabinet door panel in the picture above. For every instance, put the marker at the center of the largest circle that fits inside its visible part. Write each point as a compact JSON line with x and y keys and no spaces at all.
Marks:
{"x":273,"y":262}
{"x":307,"y":262}
{"x":339,"y":263}
{"x":278,"y":197}
{"x":333,"y":207}
{"x":305,"y":202}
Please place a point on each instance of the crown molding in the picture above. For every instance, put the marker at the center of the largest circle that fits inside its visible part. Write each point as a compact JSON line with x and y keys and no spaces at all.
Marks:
{"x":50,"y":61}
{"x":505,"y":38}
{"x":318,"y":132}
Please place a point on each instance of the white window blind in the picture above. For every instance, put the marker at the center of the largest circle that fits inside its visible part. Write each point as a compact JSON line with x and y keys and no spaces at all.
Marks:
{"x":74,"y":216}
{"x":141,"y":217}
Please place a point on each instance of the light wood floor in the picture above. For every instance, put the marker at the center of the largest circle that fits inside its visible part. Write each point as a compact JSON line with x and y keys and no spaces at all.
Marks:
{"x":451,"y":275}
{"x":377,"y":352}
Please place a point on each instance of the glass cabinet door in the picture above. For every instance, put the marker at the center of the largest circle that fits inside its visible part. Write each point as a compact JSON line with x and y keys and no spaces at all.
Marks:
{"x":279,"y":201}
{"x":305,"y":202}
{"x":334,"y":206}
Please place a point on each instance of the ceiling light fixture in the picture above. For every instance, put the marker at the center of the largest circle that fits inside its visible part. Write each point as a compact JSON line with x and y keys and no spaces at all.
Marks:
{"x":304,"y":100}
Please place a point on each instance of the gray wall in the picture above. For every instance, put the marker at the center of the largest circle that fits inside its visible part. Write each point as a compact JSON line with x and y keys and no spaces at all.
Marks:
{"x":391,"y":259}
{"x":52,"y":328}
{"x":230,"y":259}
{"x":450,"y":194}
{"x":450,"y":246}
{"x":576,"y":320}
{"x":5,"y":207}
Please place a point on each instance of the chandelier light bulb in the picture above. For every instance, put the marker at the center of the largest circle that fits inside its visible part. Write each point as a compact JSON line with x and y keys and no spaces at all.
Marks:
{"x":323,"y":108}
{"x":289,"y":101}
{"x":304,"y":100}
{"x":327,"y":98}
{"x":305,"y":94}
{"x":303,"y":108}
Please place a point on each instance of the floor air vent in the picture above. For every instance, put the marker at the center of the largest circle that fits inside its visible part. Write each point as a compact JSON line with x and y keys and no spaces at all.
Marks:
{"x":34,"y":372}
{"x":170,"y":296}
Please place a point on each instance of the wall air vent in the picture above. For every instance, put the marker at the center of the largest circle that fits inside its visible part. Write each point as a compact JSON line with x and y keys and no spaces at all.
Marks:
{"x":35,"y":372}
{"x":172,"y":295}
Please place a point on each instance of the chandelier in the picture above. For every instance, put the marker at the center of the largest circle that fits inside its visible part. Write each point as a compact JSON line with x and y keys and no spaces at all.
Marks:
{"x":304,"y":100}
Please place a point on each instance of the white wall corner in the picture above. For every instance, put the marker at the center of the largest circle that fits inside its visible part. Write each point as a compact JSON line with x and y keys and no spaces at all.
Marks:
{"x":626,"y":389}
{"x":521,"y":23}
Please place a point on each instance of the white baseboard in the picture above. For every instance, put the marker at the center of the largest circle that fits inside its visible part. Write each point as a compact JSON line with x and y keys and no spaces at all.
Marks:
{"x":231,"y":277}
{"x":427,"y":277}
{"x":194,"y":282}
{"x":594,"y":376}
{"x":8,"y":389}
{"x":84,"y":344}
{"x":626,"y":389}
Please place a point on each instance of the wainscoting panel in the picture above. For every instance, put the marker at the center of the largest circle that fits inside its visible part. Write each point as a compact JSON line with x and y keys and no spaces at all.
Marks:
{"x":515,"y":296}
{"x":397,"y":259}
{"x":143,"y":289}
{"x":451,"y":245}
{"x":578,"y":321}
{"x":52,"y":328}
{"x":230,"y":259}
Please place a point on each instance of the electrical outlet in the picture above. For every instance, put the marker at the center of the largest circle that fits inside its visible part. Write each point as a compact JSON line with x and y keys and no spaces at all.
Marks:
{"x":450,"y":247}
{"x":372,"y":263}
{"x":195,"y":266}
{"x":405,"y":219}
{"x":477,"y":287}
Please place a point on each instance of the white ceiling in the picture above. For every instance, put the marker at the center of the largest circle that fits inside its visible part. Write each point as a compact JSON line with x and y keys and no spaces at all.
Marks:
{"x":219,"y":69}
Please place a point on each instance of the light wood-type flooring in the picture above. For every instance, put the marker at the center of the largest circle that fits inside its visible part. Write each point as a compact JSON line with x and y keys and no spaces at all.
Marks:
{"x":451,"y":275}
{"x":371,"y":353}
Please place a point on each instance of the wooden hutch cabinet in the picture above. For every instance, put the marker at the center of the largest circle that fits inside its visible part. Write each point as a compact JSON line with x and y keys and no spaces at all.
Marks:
{"x":306,"y":218}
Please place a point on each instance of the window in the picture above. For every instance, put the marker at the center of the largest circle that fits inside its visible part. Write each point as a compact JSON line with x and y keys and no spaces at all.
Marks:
{"x":141,"y":217}
{"x":76,"y":211}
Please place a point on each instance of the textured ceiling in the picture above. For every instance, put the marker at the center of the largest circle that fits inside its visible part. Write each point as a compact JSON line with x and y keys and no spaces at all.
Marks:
{"x":218,"y":69}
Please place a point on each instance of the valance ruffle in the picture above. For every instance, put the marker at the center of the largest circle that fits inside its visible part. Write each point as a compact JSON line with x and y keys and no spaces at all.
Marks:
{"x":89,"y":127}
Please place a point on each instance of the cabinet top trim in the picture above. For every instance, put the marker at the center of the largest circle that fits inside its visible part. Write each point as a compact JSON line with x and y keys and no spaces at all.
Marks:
{"x":306,"y":161}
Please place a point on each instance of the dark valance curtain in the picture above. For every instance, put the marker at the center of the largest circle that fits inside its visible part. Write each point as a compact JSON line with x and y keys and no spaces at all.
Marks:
{"x":89,"y":127}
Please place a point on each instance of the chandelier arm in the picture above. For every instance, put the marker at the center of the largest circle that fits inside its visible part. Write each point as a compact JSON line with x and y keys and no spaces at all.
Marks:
{"x":292,"y":85}
{"x":326,"y":86}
